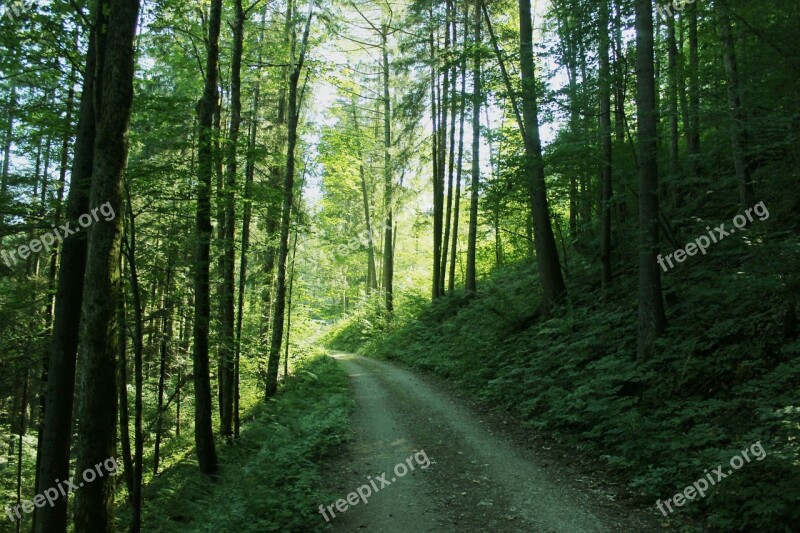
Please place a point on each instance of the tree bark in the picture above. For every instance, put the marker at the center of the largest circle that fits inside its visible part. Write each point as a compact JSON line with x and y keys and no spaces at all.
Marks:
{"x":204,"y":436}
{"x":546,"y":253}
{"x":57,"y":425}
{"x":451,"y":284}
{"x":388,"y":249}
{"x":288,"y":198}
{"x":652,"y":320}
{"x":97,"y":395}
{"x":471,"y":283}
{"x":738,"y":128}
{"x":606,"y":189}
{"x":227,"y":348}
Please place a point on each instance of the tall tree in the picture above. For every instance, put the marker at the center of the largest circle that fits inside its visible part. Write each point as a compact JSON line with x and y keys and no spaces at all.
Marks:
{"x":227,"y":349}
{"x":604,"y":81}
{"x":57,"y":423}
{"x":388,"y":185}
{"x":738,"y":129}
{"x":97,"y":395}
{"x":204,"y":435}
{"x":286,"y":212}
{"x":471,"y":283}
{"x":546,"y":253}
{"x":652,"y":320}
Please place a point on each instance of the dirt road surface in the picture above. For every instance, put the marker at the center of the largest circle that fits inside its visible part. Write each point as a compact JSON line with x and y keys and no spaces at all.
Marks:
{"x":478,"y":478}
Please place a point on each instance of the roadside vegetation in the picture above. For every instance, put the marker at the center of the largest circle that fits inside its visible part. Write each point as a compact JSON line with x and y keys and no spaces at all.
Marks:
{"x":724,"y":376}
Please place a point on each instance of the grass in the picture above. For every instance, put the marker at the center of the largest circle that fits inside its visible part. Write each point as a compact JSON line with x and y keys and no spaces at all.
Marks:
{"x":725,"y":375}
{"x":269,"y":480}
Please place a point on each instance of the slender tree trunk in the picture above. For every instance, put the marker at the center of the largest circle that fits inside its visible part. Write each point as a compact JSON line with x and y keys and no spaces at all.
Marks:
{"x":22,"y":431}
{"x":138,"y":365}
{"x":694,"y":95}
{"x":652,"y":320}
{"x":124,"y":414}
{"x":451,"y":152}
{"x":372,"y":275}
{"x":227,"y":355}
{"x":619,"y":76}
{"x":605,"y":142}
{"x":97,"y":396}
{"x":164,"y":351}
{"x":672,"y":100}
{"x":289,"y":307}
{"x":204,"y":436}
{"x":388,"y":172}
{"x":546,"y":253}
{"x":438,"y":183}
{"x":9,"y":139}
{"x":739,"y":140}
{"x":476,"y":145}
{"x":288,"y":198}
{"x":459,"y":167}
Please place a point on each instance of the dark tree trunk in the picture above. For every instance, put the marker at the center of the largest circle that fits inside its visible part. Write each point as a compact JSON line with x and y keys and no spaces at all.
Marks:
{"x":388,"y":185}
{"x":652,"y":320}
{"x":124,"y":412}
{"x":204,"y":434}
{"x":227,"y":349}
{"x":546,"y":253}
{"x":451,"y":284}
{"x":97,"y":395}
{"x":605,"y":142}
{"x":164,"y":353}
{"x":57,"y":425}
{"x":288,"y":197}
{"x":471,"y":283}
{"x":451,"y":153}
{"x":739,"y":140}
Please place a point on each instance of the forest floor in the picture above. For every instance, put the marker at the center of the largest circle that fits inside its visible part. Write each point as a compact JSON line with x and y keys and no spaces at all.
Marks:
{"x":483,"y":476}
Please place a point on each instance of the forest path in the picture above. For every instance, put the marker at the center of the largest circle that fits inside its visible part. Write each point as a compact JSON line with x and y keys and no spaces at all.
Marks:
{"x":478,"y":479}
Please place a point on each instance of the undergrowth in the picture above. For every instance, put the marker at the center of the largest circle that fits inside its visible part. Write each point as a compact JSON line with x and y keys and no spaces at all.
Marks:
{"x":724,"y":376}
{"x":269,"y":479}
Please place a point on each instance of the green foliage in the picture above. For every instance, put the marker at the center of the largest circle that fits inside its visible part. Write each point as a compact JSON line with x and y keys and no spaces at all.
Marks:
{"x":725,"y":376}
{"x":269,"y":479}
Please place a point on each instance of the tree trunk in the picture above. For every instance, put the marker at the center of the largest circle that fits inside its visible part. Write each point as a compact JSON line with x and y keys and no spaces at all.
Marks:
{"x":438,"y":182}
{"x":739,"y":140}
{"x":672,"y":101}
{"x":694,"y":95}
{"x":57,"y":425}
{"x":472,"y":239}
{"x":227,"y":349}
{"x":388,"y":249}
{"x":652,"y":320}
{"x":451,"y":153}
{"x":288,"y":198}
{"x":451,"y":284}
{"x":204,"y":436}
{"x":546,"y":253}
{"x":605,"y":142}
{"x":97,"y":395}
{"x":164,"y":351}
{"x":124,"y":413}
{"x":22,"y":430}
